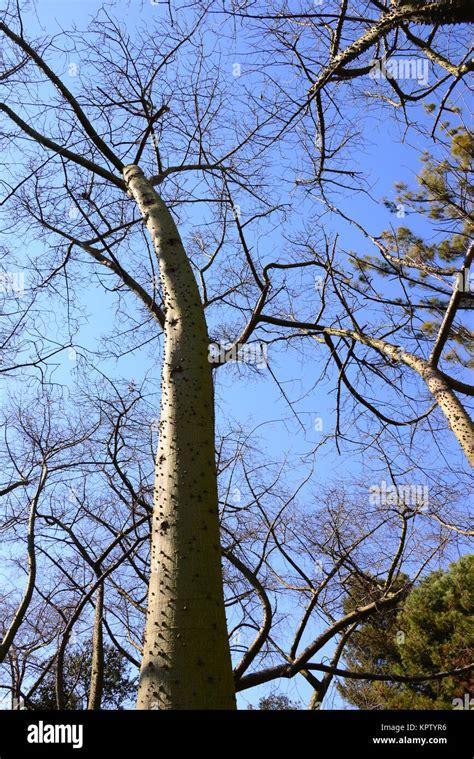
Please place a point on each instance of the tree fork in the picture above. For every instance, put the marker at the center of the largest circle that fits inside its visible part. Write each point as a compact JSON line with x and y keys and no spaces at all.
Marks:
{"x":186,"y":661}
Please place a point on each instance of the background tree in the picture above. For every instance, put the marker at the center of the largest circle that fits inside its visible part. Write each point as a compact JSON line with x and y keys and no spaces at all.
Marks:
{"x":277,"y":702}
{"x":445,"y":196}
{"x":431,"y":629}
{"x":382,"y":310}
{"x":119,"y":688}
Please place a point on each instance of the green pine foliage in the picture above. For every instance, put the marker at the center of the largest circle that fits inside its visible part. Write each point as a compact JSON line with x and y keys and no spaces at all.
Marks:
{"x":444,"y":197}
{"x":432,"y":631}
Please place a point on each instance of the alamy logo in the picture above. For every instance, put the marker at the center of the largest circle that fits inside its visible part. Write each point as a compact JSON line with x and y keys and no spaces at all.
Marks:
{"x":400,"y":68}
{"x":44,"y":733}
{"x":464,"y":703}
{"x":247,"y":353}
{"x":399,"y":495}
{"x":464,"y":281}
{"x":12,"y":282}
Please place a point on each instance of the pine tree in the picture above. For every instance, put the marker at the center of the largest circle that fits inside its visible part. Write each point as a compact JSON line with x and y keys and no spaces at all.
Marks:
{"x":433,"y":631}
{"x":443,"y":196}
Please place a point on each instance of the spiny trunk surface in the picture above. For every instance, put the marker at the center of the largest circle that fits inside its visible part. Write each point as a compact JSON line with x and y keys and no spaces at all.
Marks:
{"x":186,"y":660}
{"x":97,"y":665}
{"x":457,"y":416}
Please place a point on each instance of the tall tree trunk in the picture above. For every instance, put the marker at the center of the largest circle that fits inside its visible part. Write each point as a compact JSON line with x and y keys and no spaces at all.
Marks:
{"x":97,"y":666}
{"x":186,"y":660}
